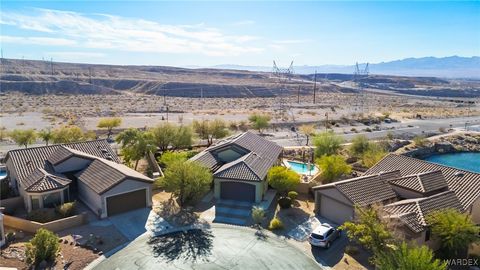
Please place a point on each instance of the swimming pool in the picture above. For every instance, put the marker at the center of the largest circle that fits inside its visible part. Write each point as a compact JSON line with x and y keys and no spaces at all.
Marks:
{"x":466,"y":160}
{"x":302,"y":168}
{"x":3,"y":174}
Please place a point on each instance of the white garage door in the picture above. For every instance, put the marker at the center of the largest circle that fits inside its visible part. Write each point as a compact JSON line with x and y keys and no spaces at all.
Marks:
{"x":335,"y":211}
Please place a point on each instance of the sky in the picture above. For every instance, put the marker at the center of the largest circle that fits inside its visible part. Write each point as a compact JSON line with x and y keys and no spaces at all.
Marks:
{"x":253,"y":33}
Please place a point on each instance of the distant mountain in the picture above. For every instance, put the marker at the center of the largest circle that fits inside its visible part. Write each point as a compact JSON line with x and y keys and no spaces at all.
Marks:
{"x":448,"y":67}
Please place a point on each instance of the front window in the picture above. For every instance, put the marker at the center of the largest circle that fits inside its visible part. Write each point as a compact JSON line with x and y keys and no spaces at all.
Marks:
{"x":35,"y":202}
{"x":52,"y":199}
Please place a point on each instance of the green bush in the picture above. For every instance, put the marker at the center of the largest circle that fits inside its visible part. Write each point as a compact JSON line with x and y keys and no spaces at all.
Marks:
{"x":43,"y":215}
{"x":44,"y":246}
{"x":258,"y":214}
{"x":285,"y":202}
{"x":275,"y":224}
{"x":66,"y":209}
{"x":292,"y":195}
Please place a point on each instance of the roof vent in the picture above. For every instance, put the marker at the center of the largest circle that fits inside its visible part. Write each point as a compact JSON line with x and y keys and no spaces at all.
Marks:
{"x":459,"y":174}
{"x":29,"y":163}
{"x":104,"y":150}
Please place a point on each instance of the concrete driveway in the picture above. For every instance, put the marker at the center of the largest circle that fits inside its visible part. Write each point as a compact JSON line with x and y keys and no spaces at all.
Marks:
{"x":131,"y":224}
{"x":219,"y":247}
{"x":329,"y":257}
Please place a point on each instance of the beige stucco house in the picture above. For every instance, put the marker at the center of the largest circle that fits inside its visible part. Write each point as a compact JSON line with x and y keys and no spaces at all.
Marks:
{"x":240,"y":164}
{"x":408,"y":188}
{"x":88,"y":171}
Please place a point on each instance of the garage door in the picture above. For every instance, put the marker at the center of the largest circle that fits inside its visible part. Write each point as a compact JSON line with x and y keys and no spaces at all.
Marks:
{"x":335,"y":211}
{"x":237,"y":191}
{"x":121,"y":203}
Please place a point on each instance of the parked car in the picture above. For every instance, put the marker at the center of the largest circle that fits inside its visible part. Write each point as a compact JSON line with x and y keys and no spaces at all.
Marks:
{"x":324,"y":235}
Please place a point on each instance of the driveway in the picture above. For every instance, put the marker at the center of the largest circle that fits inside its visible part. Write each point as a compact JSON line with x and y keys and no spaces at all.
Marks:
{"x":131,"y":224}
{"x":219,"y":247}
{"x":329,"y":257}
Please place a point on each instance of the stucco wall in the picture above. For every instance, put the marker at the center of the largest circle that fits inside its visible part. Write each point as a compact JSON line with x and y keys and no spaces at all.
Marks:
{"x":96,"y":202}
{"x":260,"y":188}
{"x":333,"y":193}
{"x":131,"y":185}
{"x":12,"y":174}
{"x":405,"y":193}
{"x":55,"y":226}
{"x":72,"y":164}
{"x":90,"y":198}
{"x":475,"y":211}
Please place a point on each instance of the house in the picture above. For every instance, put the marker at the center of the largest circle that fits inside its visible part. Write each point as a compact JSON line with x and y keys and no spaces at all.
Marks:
{"x":408,"y":188}
{"x":240,"y":165}
{"x":90,"y":171}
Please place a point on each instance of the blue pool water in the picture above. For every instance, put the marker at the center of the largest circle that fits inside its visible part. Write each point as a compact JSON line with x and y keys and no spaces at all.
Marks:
{"x":465,"y":161}
{"x":3,"y":174}
{"x":300,"y":167}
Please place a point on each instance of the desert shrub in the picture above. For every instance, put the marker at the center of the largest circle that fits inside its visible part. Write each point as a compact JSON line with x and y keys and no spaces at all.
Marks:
{"x":44,"y":246}
{"x":43,"y":215}
{"x":292,"y":195}
{"x":285,"y":202}
{"x":333,"y":167}
{"x":258,"y":214}
{"x":420,"y":141}
{"x":66,"y":209}
{"x":275,"y":224}
{"x":327,"y":143}
{"x":351,"y":250}
{"x":360,"y":145}
{"x":373,"y":155}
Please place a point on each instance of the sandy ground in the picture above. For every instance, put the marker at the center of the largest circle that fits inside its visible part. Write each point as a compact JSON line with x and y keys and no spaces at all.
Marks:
{"x":27,"y":111}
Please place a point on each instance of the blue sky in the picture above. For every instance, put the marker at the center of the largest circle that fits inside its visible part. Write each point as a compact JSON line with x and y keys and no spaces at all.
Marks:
{"x":243,"y":33}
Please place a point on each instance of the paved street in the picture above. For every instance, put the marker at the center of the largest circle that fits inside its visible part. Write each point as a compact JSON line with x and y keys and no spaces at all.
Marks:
{"x":415,"y":127}
{"x":220,"y":247}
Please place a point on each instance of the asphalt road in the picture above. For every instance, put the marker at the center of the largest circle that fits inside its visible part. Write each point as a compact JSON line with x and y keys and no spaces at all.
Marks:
{"x":220,"y":247}
{"x":415,"y":127}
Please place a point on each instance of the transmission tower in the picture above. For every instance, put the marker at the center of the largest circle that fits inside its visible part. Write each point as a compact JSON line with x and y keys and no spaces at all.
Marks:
{"x":358,"y":74}
{"x":282,"y":77}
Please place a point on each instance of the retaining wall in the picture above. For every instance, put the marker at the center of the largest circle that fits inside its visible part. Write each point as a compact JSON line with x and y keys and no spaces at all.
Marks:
{"x":54,"y":226}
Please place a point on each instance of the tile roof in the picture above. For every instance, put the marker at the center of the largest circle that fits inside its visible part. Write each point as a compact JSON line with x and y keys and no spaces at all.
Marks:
{"x":102,"y":175}
{"x":422,"y":182}
{"x":465,"y":184}
{"x":36,"y":174}
{"x":25,"y":161}
{"x":253,"y":166}
{"x":413,"y":212}
{"x":366,"y":190}
{"x":40,"y":181}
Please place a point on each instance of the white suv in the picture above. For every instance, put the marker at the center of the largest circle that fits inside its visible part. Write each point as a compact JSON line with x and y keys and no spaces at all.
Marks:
{"x":323,"y":235}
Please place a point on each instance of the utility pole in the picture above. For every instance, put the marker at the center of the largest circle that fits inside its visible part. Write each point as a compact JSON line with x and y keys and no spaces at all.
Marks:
{"x":298,"y":95}
{"x":51,"y":65}
{"x":326,"y":121}
{"x":314,"y":87}
{"x":90,"y":75}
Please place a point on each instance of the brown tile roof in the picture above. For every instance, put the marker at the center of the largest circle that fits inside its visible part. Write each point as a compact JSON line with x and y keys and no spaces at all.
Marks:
{"x":253,"y":166}
{"x":466,"y":184}
{"x":40,"y":181}
{"x":413,"y":212}
{"x":102,"y":175}
{"x":422,"y":182}
{"x":366,"y":190}
{"x":25,"y":161}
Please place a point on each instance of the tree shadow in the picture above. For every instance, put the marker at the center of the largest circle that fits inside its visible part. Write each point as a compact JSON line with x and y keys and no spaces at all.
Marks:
{"x":174,"y":214}
{"x":193,"y":245}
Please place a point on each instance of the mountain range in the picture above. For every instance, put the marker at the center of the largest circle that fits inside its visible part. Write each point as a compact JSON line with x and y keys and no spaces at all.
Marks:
{"x":447,"y":67}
